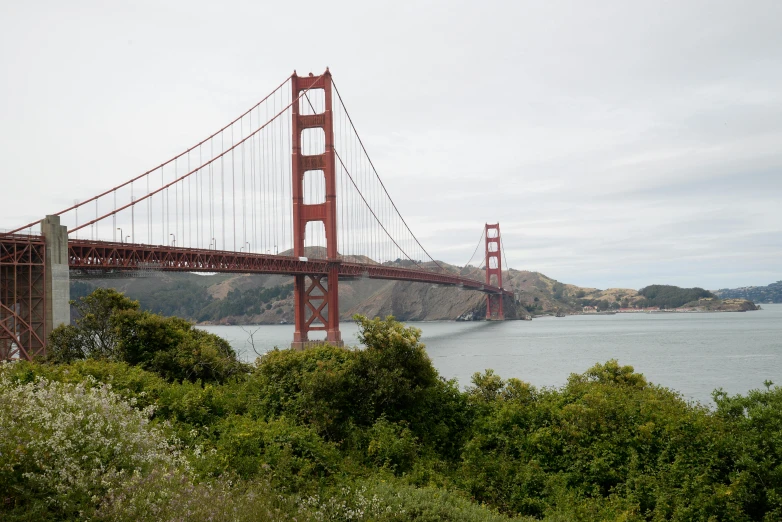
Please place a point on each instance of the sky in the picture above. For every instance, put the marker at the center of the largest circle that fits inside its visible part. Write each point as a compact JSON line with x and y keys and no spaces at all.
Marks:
{"x":617,"y":143}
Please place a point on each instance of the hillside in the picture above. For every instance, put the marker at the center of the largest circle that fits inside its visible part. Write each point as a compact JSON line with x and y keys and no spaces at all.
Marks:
{"x":268,"y":299}
{"x":760,"y":294}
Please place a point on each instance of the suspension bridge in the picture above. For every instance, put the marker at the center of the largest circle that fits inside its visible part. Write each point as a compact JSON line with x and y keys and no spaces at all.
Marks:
{"x":288,"y":187}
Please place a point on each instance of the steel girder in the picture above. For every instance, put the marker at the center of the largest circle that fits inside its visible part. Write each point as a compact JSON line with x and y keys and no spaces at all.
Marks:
{"x":22,"y":296}
{"x":107,"y":256}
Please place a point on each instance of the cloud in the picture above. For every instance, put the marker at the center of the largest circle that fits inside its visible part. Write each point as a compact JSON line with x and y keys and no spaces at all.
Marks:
{"x":617,"y":143}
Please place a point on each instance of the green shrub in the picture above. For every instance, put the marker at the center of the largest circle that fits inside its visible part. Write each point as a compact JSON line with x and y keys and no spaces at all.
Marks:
{"x":172,"y":348}
{"x":112,"y":327}
{"x":289,"y":455}
{"x":755,"y":434}
{"x":65,"y":446}
{"x":94,"y":334}
{"x":332,"y":388}
{"x":159,"y":497}
{"x":352,"y":434}
{"x":607,"y":435}
{"x":392,"y":445}
{"x":392,"y":501}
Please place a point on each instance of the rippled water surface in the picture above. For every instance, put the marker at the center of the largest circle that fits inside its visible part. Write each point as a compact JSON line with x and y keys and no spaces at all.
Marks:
{"x":691,"y":353}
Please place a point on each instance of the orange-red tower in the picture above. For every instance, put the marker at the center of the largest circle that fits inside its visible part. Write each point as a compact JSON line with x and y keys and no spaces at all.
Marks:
{"x":316,"y":302}
{"x":494,"y":310}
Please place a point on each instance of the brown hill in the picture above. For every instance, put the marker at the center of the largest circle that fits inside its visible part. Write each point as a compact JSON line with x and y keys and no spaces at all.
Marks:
{"x":267,"y":299}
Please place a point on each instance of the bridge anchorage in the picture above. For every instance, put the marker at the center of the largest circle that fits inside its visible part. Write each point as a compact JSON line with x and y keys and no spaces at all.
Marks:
{"x":286,"y":188}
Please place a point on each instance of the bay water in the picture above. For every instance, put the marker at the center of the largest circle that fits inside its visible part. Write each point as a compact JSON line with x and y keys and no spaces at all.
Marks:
{"x":692,"y":353}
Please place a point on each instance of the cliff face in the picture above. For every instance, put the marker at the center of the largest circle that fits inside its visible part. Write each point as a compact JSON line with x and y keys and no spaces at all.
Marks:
{"x":418,"y":302}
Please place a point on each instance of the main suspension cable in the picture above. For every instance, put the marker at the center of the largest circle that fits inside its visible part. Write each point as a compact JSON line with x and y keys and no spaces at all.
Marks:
{"x":339,"y":96}
{"x":208,"y":163}
{"x":476,"y":248}
{"x":150,"y":171}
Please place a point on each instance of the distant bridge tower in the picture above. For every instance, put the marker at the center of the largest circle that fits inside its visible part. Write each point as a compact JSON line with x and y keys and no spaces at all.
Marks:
{"x":494,"y":310}
{"x":316,"y":302}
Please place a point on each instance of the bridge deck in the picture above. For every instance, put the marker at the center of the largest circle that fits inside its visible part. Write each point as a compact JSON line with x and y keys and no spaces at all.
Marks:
{"x":101,"y":255}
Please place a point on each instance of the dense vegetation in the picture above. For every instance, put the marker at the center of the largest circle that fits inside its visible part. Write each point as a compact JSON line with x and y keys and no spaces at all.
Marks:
{"x":371,"y":434}
{"x":667,"y":296}
{"x":245,"y":302}
{"x":760,"y":294}
{"x":111,"y":327}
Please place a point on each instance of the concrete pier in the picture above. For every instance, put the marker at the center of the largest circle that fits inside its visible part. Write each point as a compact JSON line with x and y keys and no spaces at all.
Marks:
{"x":58,"y":291}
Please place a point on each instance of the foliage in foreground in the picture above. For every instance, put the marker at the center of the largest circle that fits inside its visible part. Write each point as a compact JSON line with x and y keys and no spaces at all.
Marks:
{"x":375,"y":434}
{"x":66,"y":447}
{"x":112,"y":327}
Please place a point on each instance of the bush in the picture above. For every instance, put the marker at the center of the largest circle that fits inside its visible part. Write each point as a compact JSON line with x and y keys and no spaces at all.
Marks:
{"x":94,"y":334}
{"x":65,"y":446}
{"x":391,"y":501}
{"x":172,"y":348}
{"x":336,"y":390}
{"x":392,"y":445}
{"x":291,"y":456}
{"x":173,"y":497}
{"x":608,"y":442}
{"x":332,"y":433}
{"x":111,"y":327}
{"x":755,"y":433}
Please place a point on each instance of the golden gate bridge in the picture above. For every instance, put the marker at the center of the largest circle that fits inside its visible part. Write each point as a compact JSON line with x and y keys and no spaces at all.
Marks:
{"x":288,"y":187}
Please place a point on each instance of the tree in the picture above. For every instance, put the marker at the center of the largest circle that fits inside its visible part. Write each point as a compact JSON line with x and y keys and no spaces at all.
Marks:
{"x":338,"y":390}
{"x":172,"y":348}
{"x":94,"y":335}
{"x":112,"y":327}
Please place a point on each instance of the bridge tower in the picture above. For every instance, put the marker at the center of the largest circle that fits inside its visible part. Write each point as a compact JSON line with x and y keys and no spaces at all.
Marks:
{"x":494,"y":310}
{"x":34,"y":289}
{"x":316,"y":301}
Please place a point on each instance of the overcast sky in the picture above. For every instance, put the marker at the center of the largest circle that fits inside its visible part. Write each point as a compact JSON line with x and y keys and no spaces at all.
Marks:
{"x":618,"y":143}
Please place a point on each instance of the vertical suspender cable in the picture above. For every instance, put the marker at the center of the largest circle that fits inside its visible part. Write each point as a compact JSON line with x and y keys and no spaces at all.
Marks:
{"x":199,"y":232}
{"x":274,"y":177}
{"x":189,"y":207}
{"x":132,"y":216}
{"x":149,"y":215}
{"x":244,"y":192}
{"x":176,"y":200}
{"x":162,"y":209}
{"x":113,"y":218}
{"x":253,"y":188}
{"x":222,"y":185}
{"x":211,"y":194}
{"x":233,"y":188}
{"x":266,"y":181}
